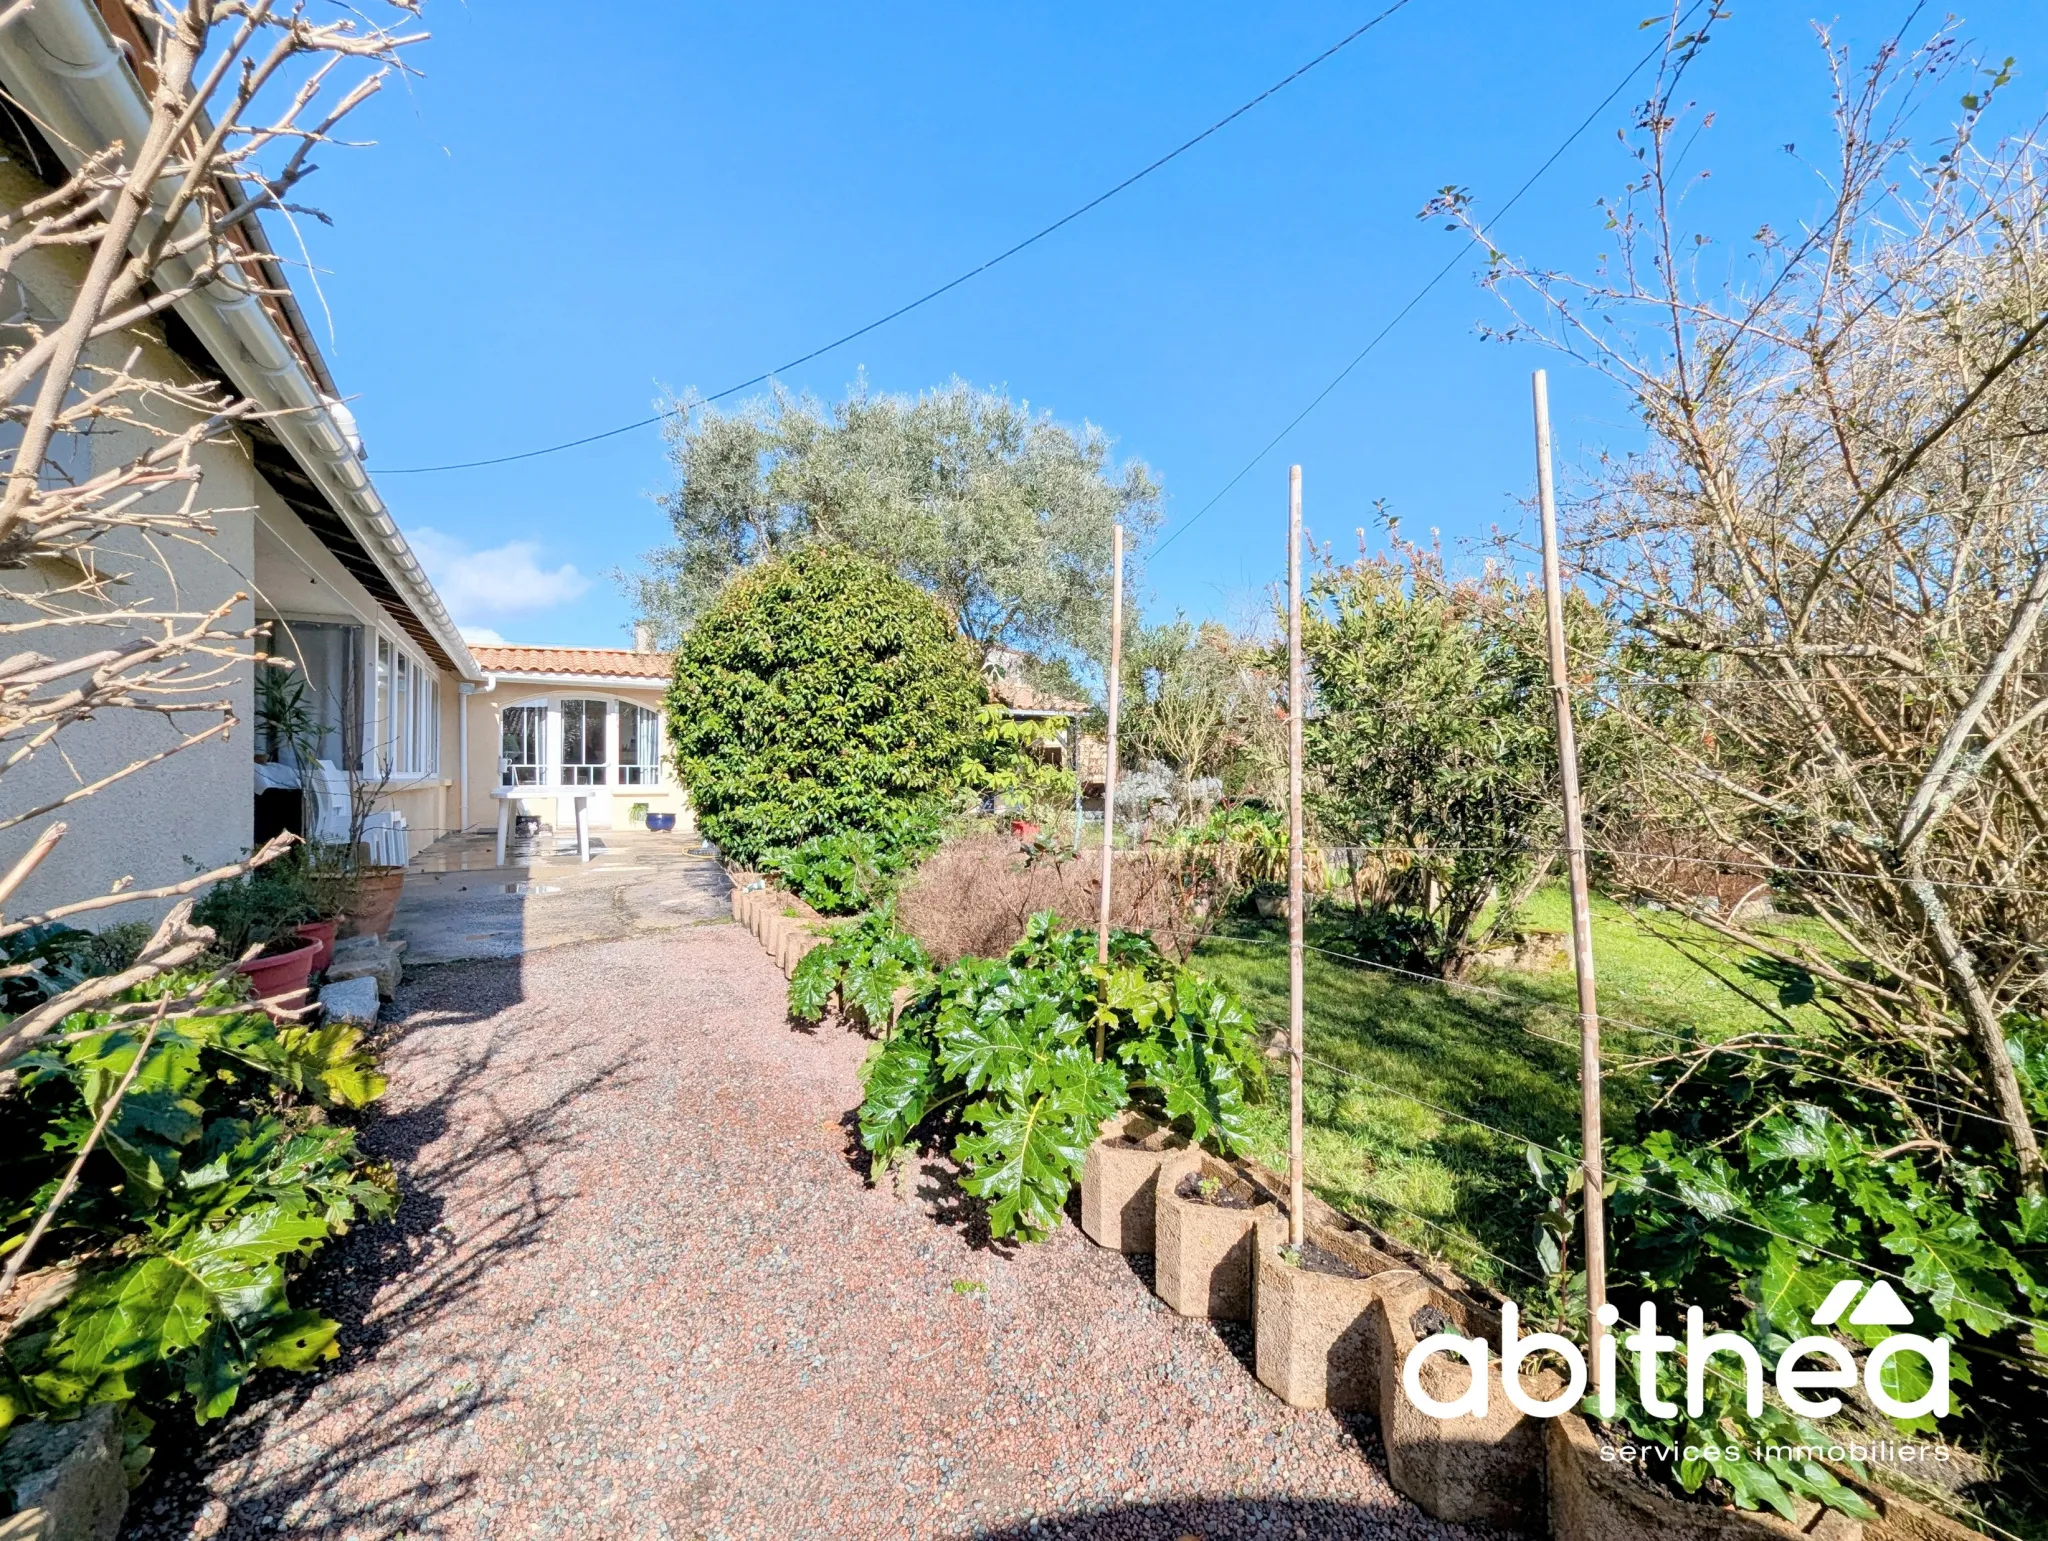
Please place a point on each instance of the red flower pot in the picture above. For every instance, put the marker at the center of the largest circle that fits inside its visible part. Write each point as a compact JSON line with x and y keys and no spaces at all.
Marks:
{"x":282,"y":975}
{"x":320,"y":932}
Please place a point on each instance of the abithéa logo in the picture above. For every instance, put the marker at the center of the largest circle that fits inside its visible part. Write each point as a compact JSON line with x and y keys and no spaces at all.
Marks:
{"x":1816,"y":1363}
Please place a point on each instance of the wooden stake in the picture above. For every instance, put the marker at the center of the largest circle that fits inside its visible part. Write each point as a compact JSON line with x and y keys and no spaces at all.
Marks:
{"x":1116,"y":682}
{"x":1595,"y":1204}
{"x":1295,"y":1200}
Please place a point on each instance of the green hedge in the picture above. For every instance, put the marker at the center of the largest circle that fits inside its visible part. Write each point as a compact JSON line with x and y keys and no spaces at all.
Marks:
{"x":821,"y":694}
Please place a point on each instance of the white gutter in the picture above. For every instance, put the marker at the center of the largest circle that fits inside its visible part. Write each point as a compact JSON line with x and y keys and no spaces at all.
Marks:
{"x":62,"y":65}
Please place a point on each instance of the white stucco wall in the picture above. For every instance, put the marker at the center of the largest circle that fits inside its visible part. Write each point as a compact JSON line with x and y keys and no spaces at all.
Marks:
{"x":196,"y":809}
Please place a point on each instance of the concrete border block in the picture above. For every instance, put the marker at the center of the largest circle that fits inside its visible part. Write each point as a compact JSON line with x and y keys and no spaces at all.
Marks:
{"x":1120,"y":1182}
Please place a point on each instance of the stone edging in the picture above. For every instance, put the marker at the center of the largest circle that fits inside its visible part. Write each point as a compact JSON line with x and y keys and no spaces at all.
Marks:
{"x":1501,"y":1469}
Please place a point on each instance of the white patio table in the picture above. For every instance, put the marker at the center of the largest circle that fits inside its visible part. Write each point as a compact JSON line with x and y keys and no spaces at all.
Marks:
{"x":509,"y":799}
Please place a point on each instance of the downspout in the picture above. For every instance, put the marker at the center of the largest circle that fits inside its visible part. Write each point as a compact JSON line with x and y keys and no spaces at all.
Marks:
{"x":462,"y":734}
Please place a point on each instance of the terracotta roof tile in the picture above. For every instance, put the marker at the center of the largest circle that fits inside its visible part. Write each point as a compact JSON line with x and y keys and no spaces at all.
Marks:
{"x":611,"y":662}
{"x":1021,"y":696}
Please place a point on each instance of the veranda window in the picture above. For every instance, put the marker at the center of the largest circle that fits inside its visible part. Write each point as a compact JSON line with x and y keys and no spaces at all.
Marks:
{"x":639,"y":746}
{"x":583,"y":752}
{"x":522,"y":761}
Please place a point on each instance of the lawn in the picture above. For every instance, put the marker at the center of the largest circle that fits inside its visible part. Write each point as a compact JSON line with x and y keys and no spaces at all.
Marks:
{"x":1420,"y":1095}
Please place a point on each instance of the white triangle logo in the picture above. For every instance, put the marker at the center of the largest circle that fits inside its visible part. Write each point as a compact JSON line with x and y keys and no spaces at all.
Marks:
{"x":1881,"y":1308}
{"x":1831,"y":1309}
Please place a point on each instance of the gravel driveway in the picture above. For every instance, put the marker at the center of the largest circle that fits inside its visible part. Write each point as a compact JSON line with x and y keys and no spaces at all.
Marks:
{"x":637,"y":1288}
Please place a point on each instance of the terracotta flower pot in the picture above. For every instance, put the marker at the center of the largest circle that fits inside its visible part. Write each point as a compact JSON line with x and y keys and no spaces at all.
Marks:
{"x":284,"y":975}
{"x":375,"y":902}
{"x":322,"y":933}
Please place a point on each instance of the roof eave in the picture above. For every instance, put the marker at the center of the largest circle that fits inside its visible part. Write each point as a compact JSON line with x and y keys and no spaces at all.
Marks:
{"x":62,"y":63}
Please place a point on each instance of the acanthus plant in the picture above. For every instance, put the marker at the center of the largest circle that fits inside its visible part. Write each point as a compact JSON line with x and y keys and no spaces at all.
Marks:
{"x":1034,"y":1051}
{"x":216,"y":1175}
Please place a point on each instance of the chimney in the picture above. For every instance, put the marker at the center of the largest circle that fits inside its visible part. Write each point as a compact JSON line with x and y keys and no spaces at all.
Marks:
{"x":643,"y":637}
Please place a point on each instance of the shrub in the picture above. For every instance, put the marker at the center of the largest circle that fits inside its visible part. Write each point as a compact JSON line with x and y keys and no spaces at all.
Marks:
{"x":820,"y":695}
{"x":1033,"y":1052}
{"x":845,"y":873}
{"x":864,"y":965}
{"x":260,"y":908}
{"x":1434,"y":739}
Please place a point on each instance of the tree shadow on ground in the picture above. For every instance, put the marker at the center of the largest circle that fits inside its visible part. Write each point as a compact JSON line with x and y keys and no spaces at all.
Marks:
{"x":386,"y":1281}
{"x":1228,"y":1519}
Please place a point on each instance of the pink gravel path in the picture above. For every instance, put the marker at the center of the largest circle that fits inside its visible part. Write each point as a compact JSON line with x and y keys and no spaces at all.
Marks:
{"x":637,"y":1288}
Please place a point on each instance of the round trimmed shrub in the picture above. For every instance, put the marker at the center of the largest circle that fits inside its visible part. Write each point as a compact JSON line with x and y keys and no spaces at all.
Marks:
{"x":820,"y":694}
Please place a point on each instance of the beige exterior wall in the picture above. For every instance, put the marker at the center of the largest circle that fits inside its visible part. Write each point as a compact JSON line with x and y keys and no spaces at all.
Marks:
{"x":196,"y":809}
{"x":612,"y":803}
{"x":298,"y":579}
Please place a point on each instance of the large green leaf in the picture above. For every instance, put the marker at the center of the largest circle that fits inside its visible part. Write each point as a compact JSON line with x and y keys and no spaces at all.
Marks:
{"x":897,"y":1084}
{"x":202,"y":1306}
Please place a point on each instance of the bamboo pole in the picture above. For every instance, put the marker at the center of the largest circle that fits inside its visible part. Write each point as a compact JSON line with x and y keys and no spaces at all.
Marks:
{"x":1116,"y":682}
{"x":1295,"y":1199}
{"x":1593,"y":1165}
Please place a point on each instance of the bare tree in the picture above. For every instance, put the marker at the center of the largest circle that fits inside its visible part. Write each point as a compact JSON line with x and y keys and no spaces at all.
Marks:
{"x":1832,"y":556}
{"x":241,"y":94}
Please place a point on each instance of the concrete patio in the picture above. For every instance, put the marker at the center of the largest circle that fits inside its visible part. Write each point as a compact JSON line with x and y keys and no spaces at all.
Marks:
{"x":458,"y":903}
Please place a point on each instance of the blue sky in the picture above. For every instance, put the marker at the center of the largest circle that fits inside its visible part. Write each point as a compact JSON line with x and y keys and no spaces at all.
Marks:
{"x":558,"y":223}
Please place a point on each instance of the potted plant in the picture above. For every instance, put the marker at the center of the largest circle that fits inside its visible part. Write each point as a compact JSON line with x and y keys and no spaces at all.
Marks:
{"x":373,"y":888}
{"x":1314,"y":1329}
{"x":1120,"y":1182}
{"x":1204,"y":1234}
{"x":263,"y":910}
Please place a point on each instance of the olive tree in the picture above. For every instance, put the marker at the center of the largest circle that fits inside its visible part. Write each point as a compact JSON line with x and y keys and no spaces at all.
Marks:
{"x":1003,"y":515}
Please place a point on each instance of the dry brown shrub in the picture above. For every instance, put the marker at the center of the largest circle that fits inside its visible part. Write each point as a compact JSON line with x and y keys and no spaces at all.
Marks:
{"x":974,"y":897}
{"x":1686,"y":867}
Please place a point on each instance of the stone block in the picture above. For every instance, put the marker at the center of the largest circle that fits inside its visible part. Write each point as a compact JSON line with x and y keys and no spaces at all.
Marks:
{"x":67,"y":1479}
{"x":1120,"y":1182}
{"x":353,"y":1001}
{"x":1204,"y":1247}
{"x":369,"y":957}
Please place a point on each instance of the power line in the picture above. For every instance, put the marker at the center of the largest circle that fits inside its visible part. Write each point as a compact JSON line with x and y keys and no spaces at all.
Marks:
{"x":1420,"y":294}
{"x":951,"y":284}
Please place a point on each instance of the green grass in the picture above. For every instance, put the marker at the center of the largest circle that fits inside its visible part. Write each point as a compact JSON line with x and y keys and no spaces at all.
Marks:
{"x":1411,"y":1069}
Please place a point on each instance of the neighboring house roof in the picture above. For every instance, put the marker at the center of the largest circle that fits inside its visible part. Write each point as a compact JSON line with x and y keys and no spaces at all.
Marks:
{"x":573,"y":663}
{"x":1021,"y":695}
{"x":61,"y":62}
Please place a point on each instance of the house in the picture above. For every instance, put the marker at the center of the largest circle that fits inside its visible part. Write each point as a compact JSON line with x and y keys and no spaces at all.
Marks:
{"x":548,"y":725}
{"x":298,"y":527}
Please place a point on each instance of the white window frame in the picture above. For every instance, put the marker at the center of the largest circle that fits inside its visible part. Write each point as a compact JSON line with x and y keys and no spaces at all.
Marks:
{"x":402,"y":734}
{"x":552,"y":738}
